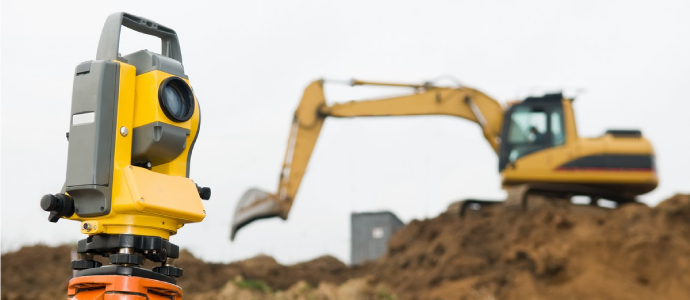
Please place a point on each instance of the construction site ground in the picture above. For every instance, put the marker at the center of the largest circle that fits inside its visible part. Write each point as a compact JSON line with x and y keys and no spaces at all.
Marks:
{"x":551,"y":250}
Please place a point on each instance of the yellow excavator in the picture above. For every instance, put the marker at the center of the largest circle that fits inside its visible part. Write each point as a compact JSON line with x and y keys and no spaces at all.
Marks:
{"x":535,"y":139}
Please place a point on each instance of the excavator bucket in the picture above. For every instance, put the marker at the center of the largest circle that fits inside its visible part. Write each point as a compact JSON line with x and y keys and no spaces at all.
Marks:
{"x":255,"y":204}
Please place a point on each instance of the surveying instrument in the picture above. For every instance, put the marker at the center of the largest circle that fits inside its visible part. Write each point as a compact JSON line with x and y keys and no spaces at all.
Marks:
{"x":134,"y":122}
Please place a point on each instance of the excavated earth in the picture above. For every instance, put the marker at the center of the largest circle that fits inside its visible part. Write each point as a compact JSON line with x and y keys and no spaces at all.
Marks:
{"x":551,"y":250}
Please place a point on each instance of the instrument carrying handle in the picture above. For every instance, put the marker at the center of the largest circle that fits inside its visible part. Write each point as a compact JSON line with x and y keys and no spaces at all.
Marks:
{"x":109,"y":43}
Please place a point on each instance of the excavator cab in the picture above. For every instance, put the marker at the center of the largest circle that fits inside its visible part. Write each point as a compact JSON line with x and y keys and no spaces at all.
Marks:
{"x":535,"y":124}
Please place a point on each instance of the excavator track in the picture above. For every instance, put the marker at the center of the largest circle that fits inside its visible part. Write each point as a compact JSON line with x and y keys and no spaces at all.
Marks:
{"x":519,"y":195}
{"x":526,"y":196}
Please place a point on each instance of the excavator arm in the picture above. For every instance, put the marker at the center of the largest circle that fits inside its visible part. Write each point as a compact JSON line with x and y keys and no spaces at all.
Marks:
{"x":461,"y":102}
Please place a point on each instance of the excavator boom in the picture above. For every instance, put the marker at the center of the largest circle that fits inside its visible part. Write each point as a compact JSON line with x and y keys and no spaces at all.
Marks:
{"x":306,"y":126}
{"x":428,"y":99}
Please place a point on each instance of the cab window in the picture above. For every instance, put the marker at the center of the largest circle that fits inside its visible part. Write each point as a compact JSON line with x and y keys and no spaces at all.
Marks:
{"x":527,"y":126}
{"x":533,"y":128}
{"x":557,"y":127}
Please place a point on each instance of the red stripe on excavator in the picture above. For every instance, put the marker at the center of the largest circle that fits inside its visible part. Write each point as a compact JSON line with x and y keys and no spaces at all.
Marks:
{"x":605,"y":169}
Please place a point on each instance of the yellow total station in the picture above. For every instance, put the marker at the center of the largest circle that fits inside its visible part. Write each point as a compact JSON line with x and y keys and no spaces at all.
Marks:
{"x":134,"y":122}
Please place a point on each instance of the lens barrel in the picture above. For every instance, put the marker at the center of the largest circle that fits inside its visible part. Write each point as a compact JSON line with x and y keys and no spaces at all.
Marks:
{"x":176,"y":99}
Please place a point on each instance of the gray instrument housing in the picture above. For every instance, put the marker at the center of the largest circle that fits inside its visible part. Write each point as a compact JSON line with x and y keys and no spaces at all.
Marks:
{"x":146,"y":61}
{"x":91,"y":145}
{"x":157,"y":143}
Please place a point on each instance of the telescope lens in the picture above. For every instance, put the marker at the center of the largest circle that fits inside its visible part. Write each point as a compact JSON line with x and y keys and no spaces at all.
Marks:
{"x":176,"y":99}
{"x":173,"y":101}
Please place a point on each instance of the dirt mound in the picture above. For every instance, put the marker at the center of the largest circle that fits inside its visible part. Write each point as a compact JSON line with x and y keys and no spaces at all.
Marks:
{"x":37,"y":272}
{"x":353,"y":289}
{"x":200,"y":276}
{"x":553,"y":250}
{"x":48,"y":267}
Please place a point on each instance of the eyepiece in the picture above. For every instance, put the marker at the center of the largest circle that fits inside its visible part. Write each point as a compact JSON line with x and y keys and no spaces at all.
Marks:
{"x":176,"y":99}
{"x":59,"y":205}
{"x":49,"y":202}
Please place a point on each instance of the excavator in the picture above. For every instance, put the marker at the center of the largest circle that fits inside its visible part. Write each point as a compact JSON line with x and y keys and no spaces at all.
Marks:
{"x":536,"y":140}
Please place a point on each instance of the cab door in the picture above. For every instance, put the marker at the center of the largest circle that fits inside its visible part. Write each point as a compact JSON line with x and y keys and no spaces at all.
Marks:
{"x":532,"y":126}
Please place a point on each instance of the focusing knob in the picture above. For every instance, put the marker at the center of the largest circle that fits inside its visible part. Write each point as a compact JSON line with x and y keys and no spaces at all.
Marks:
{"x":59,"y":205}
{"x":204,"y":192}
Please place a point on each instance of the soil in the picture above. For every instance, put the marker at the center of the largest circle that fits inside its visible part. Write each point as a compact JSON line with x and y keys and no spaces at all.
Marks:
{"x":200,"y":276}
{"x":37,"y":266}
{"x":551,"y":250}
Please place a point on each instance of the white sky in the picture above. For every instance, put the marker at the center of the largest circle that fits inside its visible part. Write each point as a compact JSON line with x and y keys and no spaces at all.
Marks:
{"x":249,"y":61}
